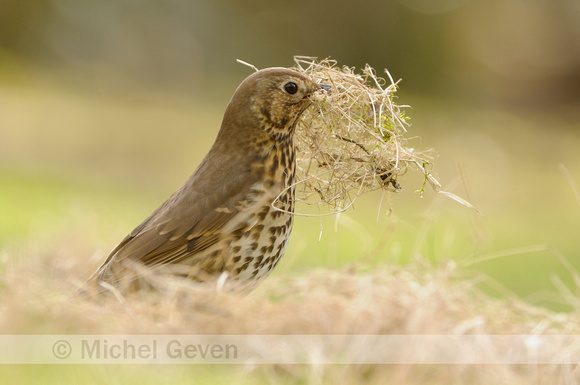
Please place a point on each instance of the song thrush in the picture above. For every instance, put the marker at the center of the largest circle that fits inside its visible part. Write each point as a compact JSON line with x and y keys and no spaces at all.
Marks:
{"x":234,"y":213}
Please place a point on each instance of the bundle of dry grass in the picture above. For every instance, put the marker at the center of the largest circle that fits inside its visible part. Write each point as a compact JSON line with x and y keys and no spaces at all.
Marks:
{"x":352,"y":140}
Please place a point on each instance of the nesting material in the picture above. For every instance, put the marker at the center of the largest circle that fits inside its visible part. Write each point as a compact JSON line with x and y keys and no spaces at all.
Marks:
{"x":353,"y":140}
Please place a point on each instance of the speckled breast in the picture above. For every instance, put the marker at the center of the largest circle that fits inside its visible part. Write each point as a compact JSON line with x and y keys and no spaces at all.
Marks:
{"x":253,"y":253}
{"x":256,"y":249}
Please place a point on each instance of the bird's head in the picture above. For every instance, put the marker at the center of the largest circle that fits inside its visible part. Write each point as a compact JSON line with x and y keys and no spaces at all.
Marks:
{"x":273,"y":99}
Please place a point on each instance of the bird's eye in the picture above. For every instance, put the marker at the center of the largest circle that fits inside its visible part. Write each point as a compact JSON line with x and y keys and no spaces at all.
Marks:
{"x":291,"y":88}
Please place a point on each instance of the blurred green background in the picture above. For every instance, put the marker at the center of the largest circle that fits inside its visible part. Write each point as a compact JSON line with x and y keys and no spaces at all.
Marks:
{"x":107,"y":106}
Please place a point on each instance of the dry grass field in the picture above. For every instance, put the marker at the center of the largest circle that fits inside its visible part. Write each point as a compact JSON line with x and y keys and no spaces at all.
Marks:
{"x":414,"y":299}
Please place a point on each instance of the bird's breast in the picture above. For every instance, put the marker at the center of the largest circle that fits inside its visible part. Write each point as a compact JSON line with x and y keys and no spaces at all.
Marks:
{"x":266,"y":220}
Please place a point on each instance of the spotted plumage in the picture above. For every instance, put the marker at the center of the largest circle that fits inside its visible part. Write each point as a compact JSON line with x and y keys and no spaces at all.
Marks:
{"x":234,"y":214}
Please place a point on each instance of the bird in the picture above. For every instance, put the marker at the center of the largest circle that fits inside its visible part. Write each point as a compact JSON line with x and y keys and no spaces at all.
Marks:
{"x":233,"y":216}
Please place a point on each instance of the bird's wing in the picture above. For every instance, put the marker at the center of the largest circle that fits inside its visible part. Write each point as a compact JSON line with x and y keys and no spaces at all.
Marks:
{"x":190,"y":221}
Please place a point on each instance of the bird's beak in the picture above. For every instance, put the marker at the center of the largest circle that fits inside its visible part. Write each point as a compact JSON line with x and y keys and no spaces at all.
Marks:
{"x":325,"y":87}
